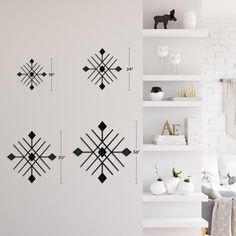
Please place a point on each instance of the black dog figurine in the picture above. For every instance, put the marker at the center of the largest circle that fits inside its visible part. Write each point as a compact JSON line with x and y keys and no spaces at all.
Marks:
{"x":165,"y":19}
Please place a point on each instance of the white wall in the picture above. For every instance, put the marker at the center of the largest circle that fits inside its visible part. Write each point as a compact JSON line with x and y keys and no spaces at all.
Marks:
{"x":218,"y":9}
{"x":70,"y":31}
{"x":219,"y":61}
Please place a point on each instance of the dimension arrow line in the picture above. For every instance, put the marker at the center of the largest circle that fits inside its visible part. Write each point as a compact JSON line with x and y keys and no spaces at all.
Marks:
{"x":51,"y":75}
{"x":61,"y":157}
{"x":136,"y":156}
{"x":129,"y":68}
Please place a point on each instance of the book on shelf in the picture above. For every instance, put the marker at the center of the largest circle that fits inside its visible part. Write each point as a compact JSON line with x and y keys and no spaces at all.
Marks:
{"x":192,"y":131}
{"x":169,"y":140}
{"x":185,"y":99}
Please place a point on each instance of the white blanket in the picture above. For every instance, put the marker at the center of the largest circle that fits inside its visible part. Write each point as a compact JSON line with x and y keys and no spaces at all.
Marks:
{"x":230,"y":107}
{"x":224,"y":217}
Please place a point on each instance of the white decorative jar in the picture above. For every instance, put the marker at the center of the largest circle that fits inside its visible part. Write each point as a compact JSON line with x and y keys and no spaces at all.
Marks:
{"x":190,"y":20}
{"x":171,"y":184}
{"x":158,"y":188}
{"x":157,"y":96}
{"x":185,"y":188}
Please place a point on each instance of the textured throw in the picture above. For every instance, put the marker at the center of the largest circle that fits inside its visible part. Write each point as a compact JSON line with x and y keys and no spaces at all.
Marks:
{"x":230,"y":107}
{"x":224,"y":217}
{"x":233,"y":223}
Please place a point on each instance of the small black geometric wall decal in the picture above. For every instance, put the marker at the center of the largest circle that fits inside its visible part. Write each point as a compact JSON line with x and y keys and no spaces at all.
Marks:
{"x":102,"y":68}
{"x":102,"y":153}
{"x":31,"y":158}
{"x":31,"y":74}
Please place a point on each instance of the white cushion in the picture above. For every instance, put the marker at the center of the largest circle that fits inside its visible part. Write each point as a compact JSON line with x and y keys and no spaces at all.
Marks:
{"x":231,"y":187}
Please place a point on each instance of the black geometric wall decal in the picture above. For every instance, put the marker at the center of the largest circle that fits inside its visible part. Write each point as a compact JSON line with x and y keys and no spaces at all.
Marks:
{"x":31,"y":158}
{"x":102,"y":69}
{"x":31,"y":74}
{"x":101,"y":153}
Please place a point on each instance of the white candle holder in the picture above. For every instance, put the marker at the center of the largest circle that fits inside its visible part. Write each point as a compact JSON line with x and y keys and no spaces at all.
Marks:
{"x":162,"y":52}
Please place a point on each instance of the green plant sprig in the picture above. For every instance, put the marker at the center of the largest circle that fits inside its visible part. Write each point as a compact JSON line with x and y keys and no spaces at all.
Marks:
{"x":175,"y":173}
{"x":158,"y":176}
{"x":188,"y":179}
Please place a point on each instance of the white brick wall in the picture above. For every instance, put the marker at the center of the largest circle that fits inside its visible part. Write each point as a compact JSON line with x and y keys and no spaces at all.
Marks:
{"x":219,"y":61}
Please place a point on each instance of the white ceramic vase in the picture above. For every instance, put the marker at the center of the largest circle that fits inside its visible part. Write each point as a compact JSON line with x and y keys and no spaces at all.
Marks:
{"x":158,"y":188}
{"x":157,"y":96}
{"x":185,"y":188}
{"x":171,"y":184}
{"x":190,"y":20}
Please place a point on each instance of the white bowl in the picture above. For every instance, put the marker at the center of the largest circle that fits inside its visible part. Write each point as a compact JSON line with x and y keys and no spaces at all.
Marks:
{"x":157,"y":96}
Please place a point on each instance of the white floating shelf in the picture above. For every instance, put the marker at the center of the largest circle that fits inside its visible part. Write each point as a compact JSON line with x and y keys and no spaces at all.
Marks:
{"x":173,"y":78}
{"x":175,"y":33}
{"x":172,"y":103}
{"x":170,"y":148}
{"x":195,"y":197}
{"x":174,"y":222}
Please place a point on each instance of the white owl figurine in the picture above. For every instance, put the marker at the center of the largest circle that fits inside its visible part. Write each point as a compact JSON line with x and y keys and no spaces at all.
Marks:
{"x":162,"y":51}
{"x":175,"y":59}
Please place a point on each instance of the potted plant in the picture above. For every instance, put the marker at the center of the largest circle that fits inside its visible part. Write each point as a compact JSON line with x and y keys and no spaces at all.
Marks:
{"x":158,"y":187}
{"x":173,"y":181}
{"x":156,"y":94}
{"x":186,"y":187}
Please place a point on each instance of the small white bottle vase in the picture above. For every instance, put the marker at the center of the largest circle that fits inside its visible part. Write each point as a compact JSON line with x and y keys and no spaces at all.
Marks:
{"x":171,"y":184}
{"x":189,"y":20}
{"x":185,"y":188}
{"x":158,"y":187}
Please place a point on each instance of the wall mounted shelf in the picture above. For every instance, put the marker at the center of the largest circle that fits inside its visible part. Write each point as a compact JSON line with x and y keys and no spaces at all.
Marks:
{"x":172,"y":78}
{"x":175,"y":33}
{"x":170,"y":148}
{"x":174,"y":222}
{"x":195,"y":197}
{"x":164,"y":213}
{"x":172,"y":103}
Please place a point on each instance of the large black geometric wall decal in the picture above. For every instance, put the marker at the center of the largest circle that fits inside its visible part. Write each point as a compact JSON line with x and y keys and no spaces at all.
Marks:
{"x":101,"y":152}
{"x":31,"y":158}
{"x":102,"y":69}
{"x":31,"y":74}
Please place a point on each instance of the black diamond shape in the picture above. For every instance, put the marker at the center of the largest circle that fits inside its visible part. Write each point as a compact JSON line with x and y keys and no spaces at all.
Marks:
{"x":86,"y":69}
{"x":102,"y":177}
{"x":102,"y":152}
{"x":31,"y":87}
{"x":19,"y":74}
{"x":44,"y":74}
{"x":31,"y":61}
{"x":126,"y":152}
{"x":11,"y":156}
{"x":102,"y":126}
{"x":52,"y":157}
{"x":77,"y":152}
{"x":102,"y":51}
{"x":31,"y":178}
{"x":102,"y":86}
{"x":118,"y":69}
{"x":32,"y":135}
{"x":102,"y":68}
{"x":31,"y":156}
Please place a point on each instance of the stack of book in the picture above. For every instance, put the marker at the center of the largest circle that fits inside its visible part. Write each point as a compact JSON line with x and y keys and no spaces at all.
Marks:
{"x":185,"y":99}
{"x":169,"y":140}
